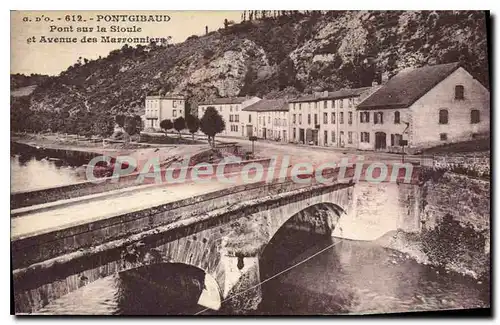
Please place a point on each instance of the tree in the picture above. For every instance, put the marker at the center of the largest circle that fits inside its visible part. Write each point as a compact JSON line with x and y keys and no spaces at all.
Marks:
{"x":212,"y":123}
{"x":120,"y":120}
{"x":166,"y":125}
{"x":193,"y":124}
{"x":132,"y":124}
{"x":179,"y":124}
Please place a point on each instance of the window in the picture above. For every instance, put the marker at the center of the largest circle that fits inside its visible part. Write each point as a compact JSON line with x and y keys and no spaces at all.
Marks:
{"x":443,"y":116}
{"x":174,"y":104}
{"x":333,"y":118}
{"x":300,"y":118}
{"x":300,"y":106}
{"x":474,"y":116}
{"x":325,"y":137}
{"x":333,"y":136}
{"x":325,"y":118}
{"x":308,"y":118}
{"x":294,"y":133}
{"x":341,"y":119}
{"x":367,"y":117}
{"x":269,"y":120}
{"x":378,"y":118}
{"x":249,"y":118}
{"x":293,"y":105}
{"x":361,"y":117}
{"x":325,"y":105}
{"x":341,"y":103}
{"x":396,"y":140}
{"x":231,"y":118}
{"x":349,"y":119}
{"x":294,"y":118}
{"x":174,"y":113}
{"x":365,"y":137}
{"x":349,"y":137}
{"x":236,"y":108}
{"x":349,"y":102}
{"x":443,"y":136}
{"x":459,"y":92}
{"x":396,"y":117}
{"x":315,"y":119}
{"x":332,"y":102}
{"x":230,"y":108}
{"x":236,"y":118}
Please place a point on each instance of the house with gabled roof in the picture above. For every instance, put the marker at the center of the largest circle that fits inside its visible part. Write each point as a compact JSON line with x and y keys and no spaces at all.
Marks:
{"x":230,"y":108}
{"x":424,"y":107}
{"x":268,"y":119}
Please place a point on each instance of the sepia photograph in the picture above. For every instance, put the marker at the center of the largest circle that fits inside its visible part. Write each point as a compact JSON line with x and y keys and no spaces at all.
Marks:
{"x":250,"y":163}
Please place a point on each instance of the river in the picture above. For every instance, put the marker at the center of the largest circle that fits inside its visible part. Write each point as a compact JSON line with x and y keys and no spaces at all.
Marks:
{"x":349,"y":278}
{"x":32,"y":168}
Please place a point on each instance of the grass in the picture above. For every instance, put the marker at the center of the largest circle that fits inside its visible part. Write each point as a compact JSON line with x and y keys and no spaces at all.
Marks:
{"x":474,"y":145}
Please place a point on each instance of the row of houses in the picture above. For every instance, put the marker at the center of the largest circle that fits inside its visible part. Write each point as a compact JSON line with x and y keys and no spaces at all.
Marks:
{"x":416,"y":108}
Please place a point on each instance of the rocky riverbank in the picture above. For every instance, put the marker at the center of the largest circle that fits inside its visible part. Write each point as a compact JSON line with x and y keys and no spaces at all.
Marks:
{"x":455,"y":231}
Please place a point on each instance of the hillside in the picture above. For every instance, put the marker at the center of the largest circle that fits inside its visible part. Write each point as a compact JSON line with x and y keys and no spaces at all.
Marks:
{"x":269,"y":57}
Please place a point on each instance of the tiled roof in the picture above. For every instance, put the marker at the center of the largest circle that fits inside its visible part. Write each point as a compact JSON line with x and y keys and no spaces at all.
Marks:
{"x":407,"y":87}
{"x":338,"y":94}
{"x":166,"y":96}
{"x":268,"y":105}
{"x":225,"y":100}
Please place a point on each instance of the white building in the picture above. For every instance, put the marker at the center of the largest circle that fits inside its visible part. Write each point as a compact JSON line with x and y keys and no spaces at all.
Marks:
{"x":426,"y":107}
{"x":271,"y":119}
{"x":326,"y":118}
{"x":231,"y":110}
{"x":159,"y":108}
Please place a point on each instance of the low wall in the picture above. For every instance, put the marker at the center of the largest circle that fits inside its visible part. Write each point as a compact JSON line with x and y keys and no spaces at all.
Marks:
{"x":29,"y":198}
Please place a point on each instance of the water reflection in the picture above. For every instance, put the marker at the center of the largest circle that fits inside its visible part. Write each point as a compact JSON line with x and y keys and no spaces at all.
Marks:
{"x":30,"y":172}
{"x":352,"y":277}
{"x":361,"y":277}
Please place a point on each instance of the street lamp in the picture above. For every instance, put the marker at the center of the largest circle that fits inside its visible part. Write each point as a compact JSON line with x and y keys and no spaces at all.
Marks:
{"x":253,"y":138}
{"x":404,"y":143}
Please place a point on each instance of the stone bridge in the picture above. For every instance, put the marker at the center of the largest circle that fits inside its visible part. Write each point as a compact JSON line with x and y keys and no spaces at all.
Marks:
{"x":221,"y":236}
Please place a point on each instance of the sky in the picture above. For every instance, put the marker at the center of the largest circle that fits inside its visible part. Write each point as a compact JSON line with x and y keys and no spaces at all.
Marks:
{"x":52,"y":58}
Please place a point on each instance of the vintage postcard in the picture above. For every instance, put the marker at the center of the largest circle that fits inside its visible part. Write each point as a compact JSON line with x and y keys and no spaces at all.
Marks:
{"x":253,"y":162}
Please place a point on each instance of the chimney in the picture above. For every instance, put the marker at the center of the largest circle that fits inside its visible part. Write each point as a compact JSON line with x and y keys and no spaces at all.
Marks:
{"x":325,"y":93}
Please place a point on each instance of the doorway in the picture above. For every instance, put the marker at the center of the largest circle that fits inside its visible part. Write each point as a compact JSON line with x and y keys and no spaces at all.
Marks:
{"x":380,"y":141}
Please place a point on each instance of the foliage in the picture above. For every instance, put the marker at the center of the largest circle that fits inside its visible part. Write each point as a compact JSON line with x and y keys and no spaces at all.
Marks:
{"x":450,"y":242}
{"x":179,"y":124}
{"x":193,"y":124}
{"x":120,"y":120}
{"x":133,"y":124}
{"x":212,"y":123}
{"x":166,"y":125}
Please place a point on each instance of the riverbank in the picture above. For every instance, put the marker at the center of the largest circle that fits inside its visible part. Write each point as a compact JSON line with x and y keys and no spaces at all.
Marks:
{"x":72,"y":142}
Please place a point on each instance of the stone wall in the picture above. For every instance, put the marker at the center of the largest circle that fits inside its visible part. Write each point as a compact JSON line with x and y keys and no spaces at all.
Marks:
{"x":379,"y":209}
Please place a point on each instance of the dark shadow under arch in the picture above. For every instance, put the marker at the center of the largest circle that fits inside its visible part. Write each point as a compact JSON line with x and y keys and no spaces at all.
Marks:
{"x":305,"y":229}
{"x":167,"y":289}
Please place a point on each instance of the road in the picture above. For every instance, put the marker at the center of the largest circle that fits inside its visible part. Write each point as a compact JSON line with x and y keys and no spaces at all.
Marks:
{"x":314,"y":154}
{"x":77,"y":213}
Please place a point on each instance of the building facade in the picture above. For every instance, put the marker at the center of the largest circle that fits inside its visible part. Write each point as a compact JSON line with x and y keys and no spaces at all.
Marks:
{"x":159,"y":108}
{"x":425,"y":107}
{"x":238,"y":123}
{"x":327,"y":118}
{"x":271,"y":118}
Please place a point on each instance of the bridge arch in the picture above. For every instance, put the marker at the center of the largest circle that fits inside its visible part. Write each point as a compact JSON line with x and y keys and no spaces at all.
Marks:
{"x":296,"y":234}
{"x":168,"y":288}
